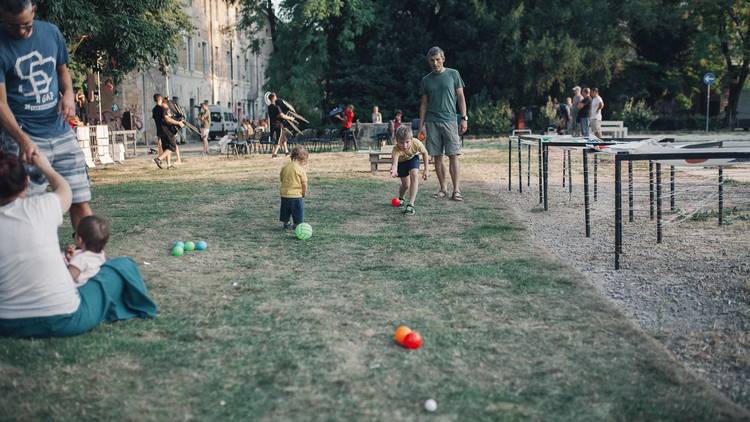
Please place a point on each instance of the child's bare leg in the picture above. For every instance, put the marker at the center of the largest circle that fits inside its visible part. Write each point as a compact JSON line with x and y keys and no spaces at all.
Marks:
{"x":414,"y":185}
{"x":177,"y":150}
{"x":404,"y":187}
{"x":169,"y":157}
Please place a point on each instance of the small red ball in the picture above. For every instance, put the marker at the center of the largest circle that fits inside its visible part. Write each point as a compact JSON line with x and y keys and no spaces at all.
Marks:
{"x":413,"y":340}
{"x":395,"y":202}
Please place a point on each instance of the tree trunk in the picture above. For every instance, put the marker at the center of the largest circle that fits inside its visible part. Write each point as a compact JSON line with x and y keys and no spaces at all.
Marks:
{"x":271,"y":23}
{"x":735,"y":90}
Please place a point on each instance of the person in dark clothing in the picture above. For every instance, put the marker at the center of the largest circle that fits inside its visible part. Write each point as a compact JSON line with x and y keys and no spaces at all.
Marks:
{"x":166,"y":128}
{"x":275,"y":123}
{"x":584,"y":111}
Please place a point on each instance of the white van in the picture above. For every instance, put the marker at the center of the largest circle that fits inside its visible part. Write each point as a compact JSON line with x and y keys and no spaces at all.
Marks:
{"x":222,"y":121}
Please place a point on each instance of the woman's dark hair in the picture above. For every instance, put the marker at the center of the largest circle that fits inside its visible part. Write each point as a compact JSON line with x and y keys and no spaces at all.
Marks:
{"x":12,"y":175}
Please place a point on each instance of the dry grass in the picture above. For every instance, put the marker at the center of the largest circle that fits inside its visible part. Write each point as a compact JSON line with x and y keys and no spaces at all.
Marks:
{"x":264,"y":327}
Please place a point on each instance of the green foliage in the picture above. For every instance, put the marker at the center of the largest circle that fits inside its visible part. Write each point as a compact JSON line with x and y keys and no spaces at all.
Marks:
{"x":491,"y":118}
{"x":518,"y":52}
{"x":549,"y":112}
{"x":119,"y":36}
{"x":636,"y":115}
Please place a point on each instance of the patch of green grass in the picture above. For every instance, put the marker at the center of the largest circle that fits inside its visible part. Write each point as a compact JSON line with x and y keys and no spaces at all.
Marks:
{"x":262,"y":326}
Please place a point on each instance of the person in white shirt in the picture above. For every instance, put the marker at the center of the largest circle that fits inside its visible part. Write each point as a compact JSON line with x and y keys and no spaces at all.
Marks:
{"x":38,"y":297}
{"x":91,"y":237}
{"x":376,"y":116}
{"x":595,"y":119}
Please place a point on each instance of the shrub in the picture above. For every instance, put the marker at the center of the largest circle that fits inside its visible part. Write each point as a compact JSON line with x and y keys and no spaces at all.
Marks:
{"x":636,"y":115}
{"x":492,"y":117}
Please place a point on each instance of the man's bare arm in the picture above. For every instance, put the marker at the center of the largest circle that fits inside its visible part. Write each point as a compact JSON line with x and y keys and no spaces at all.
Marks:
{"x":9,"y":123}
{"x":422,"y":112}
{"x":462,"y":109}
{"x":67,"y":102}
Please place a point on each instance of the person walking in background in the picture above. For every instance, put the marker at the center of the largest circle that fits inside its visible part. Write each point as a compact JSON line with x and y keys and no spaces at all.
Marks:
{"x":169,"y":127}
{"x":36,"y":101}
{"x":441,"y":90}
{"x":275,"y":123}
{"x":584,"y":111}
{"x":597,"y":104}
{"x":577,"y":97}
{"x":204,"y":119}
{"x":570,"y":124}
{"x":376,"y":116}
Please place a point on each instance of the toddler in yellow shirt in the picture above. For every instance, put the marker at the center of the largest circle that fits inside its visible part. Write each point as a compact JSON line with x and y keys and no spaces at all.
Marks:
{"x":406,"y":165}
{"x":294,"y":188}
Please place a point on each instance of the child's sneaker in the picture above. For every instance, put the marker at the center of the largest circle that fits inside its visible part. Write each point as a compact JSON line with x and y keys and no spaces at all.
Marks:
{"x":402,"y":203}
{"x":287,"y":226}
{"x":409,"y":210}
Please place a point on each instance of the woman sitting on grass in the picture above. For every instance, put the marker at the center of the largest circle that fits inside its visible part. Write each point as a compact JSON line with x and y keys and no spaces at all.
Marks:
{"x":38,"y":297}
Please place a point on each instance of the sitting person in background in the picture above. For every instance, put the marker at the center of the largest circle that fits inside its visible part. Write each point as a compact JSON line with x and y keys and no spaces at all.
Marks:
{"x":395,"y":123}
{"x":91,"y":237}
{"x":38,"y":297}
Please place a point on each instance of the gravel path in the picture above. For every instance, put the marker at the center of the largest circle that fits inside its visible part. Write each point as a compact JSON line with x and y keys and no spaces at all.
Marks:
{"x":691,"y":292}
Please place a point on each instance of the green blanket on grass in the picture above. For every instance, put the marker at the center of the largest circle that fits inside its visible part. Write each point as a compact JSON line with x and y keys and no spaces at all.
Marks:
{"x":117,"y":292}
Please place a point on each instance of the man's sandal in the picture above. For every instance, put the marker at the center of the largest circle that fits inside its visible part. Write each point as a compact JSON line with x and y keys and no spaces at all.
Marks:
{"x":441,"y":194}
{"x":457,"y":197}
{"x":409,"y":210}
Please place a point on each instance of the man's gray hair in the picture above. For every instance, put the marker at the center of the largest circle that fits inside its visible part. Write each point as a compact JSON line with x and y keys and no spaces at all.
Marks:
{"x":435,"y":51}
{"x":403,"y":133}
{"x":16,"y":7}
{"x":576,"y":88}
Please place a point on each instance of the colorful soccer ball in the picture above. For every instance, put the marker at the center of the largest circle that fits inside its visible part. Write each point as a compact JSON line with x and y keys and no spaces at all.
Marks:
{"x":201,"y":246}
{"x":395,"y":202}
{"x":189,"y":246}
{"x":177,"y":251}
{"x":303,"y":231}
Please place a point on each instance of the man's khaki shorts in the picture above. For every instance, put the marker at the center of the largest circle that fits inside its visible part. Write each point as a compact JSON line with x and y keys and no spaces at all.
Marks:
{"x":442,"y":138}
{"x":596,"y":125}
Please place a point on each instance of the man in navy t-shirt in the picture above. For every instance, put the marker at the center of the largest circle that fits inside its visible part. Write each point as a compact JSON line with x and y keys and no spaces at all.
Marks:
{"x":36,"y":100}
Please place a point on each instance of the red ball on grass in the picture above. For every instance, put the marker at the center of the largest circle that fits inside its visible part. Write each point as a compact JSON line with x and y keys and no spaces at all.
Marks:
{"x":395,"y":202}
{"x":413,"y":340}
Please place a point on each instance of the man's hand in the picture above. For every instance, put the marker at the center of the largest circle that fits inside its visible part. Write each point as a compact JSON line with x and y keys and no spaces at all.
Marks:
{"x":463,"y":127}
{"x":40,"y":161}
{"x":67,"y":106}
{"x":394,"y":174}
{"x":29,"y":151}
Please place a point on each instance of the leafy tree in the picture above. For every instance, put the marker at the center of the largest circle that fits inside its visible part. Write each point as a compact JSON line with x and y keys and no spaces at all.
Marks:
{"x":119,"y":36}
{"x":726,"y":24}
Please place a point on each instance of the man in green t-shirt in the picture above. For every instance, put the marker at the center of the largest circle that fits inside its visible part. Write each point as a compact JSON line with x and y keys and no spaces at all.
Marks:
{"x":441,"y":90}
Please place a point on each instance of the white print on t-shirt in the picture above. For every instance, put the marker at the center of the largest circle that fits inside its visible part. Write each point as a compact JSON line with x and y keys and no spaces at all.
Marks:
{"x":38,"y":79}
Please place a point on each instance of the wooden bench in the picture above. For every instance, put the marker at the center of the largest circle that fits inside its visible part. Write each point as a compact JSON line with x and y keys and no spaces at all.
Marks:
{"x":614,"y":129}
{"x":383,"y":157}
{"x":379,"y":157}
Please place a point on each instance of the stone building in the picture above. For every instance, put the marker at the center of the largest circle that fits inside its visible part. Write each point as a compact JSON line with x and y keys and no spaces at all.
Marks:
{"x":216,"y":65}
